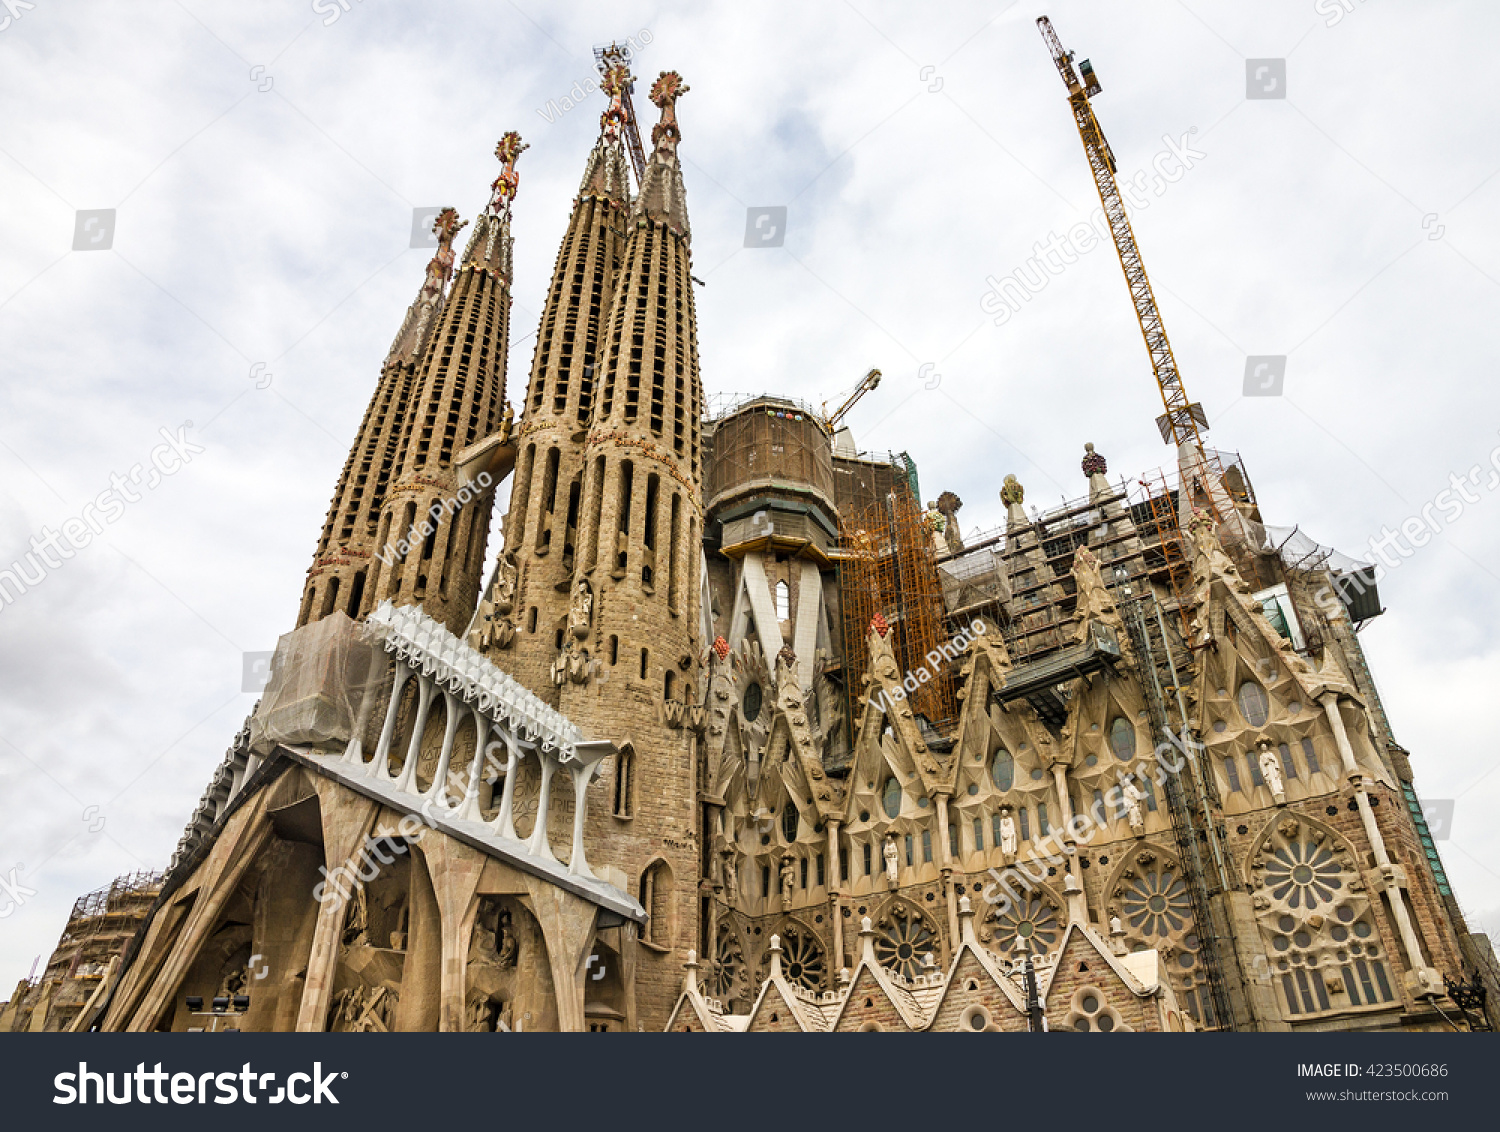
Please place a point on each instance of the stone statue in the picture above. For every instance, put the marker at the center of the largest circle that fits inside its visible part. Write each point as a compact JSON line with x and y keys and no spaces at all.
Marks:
{"x":504,"y":598}
{"x":1007,"y":832}
{"x":1270,"y":770}
{"x":1012,"y":494}
{"x":889,"y":853}
{"x":731,"y":875}
{"x":787,"y":880}
{"x":581,"y":610}
{"x":505,"y":939}
{"x":1133,"y":813}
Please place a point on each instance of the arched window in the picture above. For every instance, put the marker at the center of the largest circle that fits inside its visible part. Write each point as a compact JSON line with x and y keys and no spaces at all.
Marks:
{"x":750,"y":703}
{"x":783,"y":601}
{"x":890,"y":797}
{"x":625,"y":782}
{"x":656,"y":899}
{"x":790,"y":820}
{"x":1122,"y":738}
{"x":1254,"y":705}
{"x":1003,"y":769}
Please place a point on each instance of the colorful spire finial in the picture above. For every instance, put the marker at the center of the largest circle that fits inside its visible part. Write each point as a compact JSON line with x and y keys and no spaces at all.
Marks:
{"x":615,"y":82}
{"x":665,"y":92}
{"x":445,"y":226}
{"x":1093,"y":463}
{"x":878,"y":624}
{"x":504,"y":188}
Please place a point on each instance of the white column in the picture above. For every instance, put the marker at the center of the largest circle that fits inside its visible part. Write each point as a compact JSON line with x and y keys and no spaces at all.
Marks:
{"x":538,"y":846}
{"x":439,"y":788}
{"x":409,"y":767}
{"x":505,"y":821}
{"x":577,"y":865}
{"x":388,"y":729}
{"x":469,"y":810}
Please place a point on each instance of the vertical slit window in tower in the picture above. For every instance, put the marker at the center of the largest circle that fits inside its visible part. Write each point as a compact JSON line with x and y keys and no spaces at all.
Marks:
{"x":451,"y":523}
{"x":1041,"y":819}
{"x":557,"y":639}
{"x":1150,"y":792}
{"x":1364,"y":979}
{"x":953,"y":839}
{"x":1023,"y":819}
{"x":802,"y":880}
{"x":866,"y":848}
{"x":1350,"y":986}
{"x":548,"y":501}
{"x":614,"y":650}
{"x":927,"y":846}
{"x":1098,"y":810}
{"x":356,"y":593}
{"x":531,"y":620}
{"x":307,"y":600}
{"x":1252,"y":764}
{"x":594,"y":486}
{"x":1307,"y":998}
{"x":1311,"y":756}
{"x":404,"y":531}
{"x":648,"y":536}
{"x":1232,"y":773}
{"x":765,"y":880}
{"x":909,"y":860}
{"x":622,"y":535}
{"x":843,"y":864}
{"x":1288,"y":766}
{"x":432,"y":521}
{"x":668,"y":685}
{"x":978,"y":835}
{"x":674,"y":570}
{"x":330,"y":597}
{"x":570,"y":531}
{"x":645,"y":660}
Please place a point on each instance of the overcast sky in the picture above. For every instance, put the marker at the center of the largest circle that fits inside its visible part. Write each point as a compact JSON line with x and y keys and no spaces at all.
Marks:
{"x":264,"y":162}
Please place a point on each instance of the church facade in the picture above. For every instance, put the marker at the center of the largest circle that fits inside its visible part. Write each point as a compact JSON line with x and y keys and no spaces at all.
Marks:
{"x":734,"y":732}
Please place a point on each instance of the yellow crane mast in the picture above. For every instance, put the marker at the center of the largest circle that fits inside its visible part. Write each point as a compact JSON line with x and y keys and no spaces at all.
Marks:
{"x":866,"y":383}
{"x":1183,"y":419}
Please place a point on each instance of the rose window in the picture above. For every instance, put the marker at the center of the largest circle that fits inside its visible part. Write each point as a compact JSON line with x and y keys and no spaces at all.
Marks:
{"x":1303,"y":874}
{"x":802,"y":959}
{"x":1156,"y":904}
{"x":903,"y":941}
{"x":727,"y":975}
{"x":1032,"y":919}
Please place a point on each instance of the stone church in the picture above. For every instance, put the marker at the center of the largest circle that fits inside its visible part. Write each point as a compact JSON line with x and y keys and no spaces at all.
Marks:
{"x":734,"y":732}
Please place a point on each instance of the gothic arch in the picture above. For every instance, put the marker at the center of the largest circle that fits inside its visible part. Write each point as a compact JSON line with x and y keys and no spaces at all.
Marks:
{"x":804,"y":958}
{"x":656,"y":896}
{"x":1148,"y":892}
{"x":904,"y":936}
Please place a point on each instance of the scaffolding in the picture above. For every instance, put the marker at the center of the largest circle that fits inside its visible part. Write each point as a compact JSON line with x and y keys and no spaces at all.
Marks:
{"x":888,"y":565}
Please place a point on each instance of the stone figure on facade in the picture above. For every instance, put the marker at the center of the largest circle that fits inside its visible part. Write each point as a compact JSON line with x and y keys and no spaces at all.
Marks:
{"x":1134,"y":814}
{"x":788,"y":879}
{"x":1270,"y":770}
{"x":1008,"y":841}
{"x":889,"y":853}
{"x":580,"y":612}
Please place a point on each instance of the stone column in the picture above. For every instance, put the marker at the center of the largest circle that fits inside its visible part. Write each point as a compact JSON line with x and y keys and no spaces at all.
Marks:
{"x":347,"y":819}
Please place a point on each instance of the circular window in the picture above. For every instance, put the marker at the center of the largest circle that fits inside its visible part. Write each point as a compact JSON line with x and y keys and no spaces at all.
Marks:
{"x":1302,"y":939}
{"x":1105,"y":1023}
{"x":1122,"y":738}
{"x":1286,"y":923}
{"x":1220,"y":726}
{"x":1362,"y":930}
{"x":1090,"y":760}
{"x":1281,"y":943}
{"x":1090,"y":1004}
{"x":973,"y":789}
{"x":1345,"y":913}
{"x":1339,"y":933}
{"x":1036,"y":775}
{"x":750,"y":703}
{"x":1254,"y":705}
{"x":890,"y":798}
{"x":1003,"y":769}
{"x":1081,"y":1025}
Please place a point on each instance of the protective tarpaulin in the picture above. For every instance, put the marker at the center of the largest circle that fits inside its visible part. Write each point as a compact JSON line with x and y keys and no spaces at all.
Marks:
{"x":321,"y":677}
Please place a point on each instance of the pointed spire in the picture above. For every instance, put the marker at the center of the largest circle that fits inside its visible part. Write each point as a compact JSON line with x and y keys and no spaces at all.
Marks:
{"x":605,"y":175}
{"x":663,"y":198}
{"x":490,"y":246}
{"x":423,"y":310}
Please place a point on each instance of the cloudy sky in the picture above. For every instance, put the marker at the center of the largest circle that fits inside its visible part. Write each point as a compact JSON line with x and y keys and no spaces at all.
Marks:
{"x":263,"y":163}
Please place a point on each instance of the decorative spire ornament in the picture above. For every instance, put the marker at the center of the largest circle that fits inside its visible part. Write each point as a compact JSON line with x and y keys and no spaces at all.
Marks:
{"x":503,"y":191}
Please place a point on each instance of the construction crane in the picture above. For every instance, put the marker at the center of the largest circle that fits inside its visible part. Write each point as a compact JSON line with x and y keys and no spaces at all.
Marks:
{"x":1183,"y":420}
{"x":866,"y":383}
{"x":607,"y":59}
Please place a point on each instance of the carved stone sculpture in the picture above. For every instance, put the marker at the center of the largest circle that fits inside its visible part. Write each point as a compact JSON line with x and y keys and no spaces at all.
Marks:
{"x":889,"y":853}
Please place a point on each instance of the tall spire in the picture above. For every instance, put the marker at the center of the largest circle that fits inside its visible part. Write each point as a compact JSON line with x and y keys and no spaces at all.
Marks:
{"x":628,"y":658}
{"x":336,"y":579}
{"x":533,"y":578}
{"x":430,"y":543}
{"x":663,"y":197}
